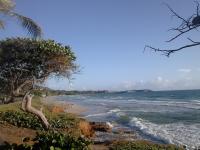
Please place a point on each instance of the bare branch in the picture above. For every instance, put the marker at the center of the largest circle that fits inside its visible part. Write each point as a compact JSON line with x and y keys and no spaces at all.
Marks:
{"x":192,"y":40}
{"x":193,"y":22}
{"x":175,"y":14}
{"x":181,"y":32}
{"x":167,"y":52}
{"x":187,"y":25}
{"x":197,"y":9}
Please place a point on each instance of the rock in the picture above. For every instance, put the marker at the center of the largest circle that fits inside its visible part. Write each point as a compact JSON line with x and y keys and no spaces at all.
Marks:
{"x":109,"y":137}
{"x":101,"y":126}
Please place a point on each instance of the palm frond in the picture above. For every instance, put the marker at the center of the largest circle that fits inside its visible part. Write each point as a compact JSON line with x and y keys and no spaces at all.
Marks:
{"x":6,"y":5}
{"x":33,"y":28}
{"x":1,"y":24}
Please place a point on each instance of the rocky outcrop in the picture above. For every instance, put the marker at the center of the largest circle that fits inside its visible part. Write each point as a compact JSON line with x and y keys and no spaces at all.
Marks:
{"x":101,"y":126}
{"x":89,"y":129}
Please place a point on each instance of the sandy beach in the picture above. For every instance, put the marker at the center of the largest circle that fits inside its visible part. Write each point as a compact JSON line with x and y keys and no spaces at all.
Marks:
{"x":64,"y":106}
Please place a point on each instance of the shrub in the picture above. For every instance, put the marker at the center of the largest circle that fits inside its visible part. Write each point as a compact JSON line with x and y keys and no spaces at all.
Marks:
{"x":27,"y":120}
{"x":20,"y":119}
{"x":52,"y":140}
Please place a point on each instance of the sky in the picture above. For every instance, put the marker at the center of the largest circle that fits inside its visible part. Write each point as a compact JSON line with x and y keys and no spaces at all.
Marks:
{"x":108,"y":38}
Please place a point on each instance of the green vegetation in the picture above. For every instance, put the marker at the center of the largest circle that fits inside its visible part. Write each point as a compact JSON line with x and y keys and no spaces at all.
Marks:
{"x":63,"y":134}
{"x":22,"y":119}
{"x":50,"y":92}
{"x":141,"y":145}
{"x":51,"y":140}
{"x":26,"y":62}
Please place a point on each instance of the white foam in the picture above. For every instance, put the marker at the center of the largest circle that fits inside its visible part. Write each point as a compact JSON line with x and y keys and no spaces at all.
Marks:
{"x":110,"y":124}
{"x":176,"y":133}
{"x":104,"y":114}
{"x":194,"y":104}
{"x":114,"y":110}
{"x":95,"y":115}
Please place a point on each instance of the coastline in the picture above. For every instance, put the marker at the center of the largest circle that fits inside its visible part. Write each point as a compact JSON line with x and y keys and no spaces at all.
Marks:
{"x":101,"y":133}
{"x":64,"y":106}
{"x":108,"y":134}
{"x":104,"y":131}
{"x":153,"y":116}
{"x":102,"y":136}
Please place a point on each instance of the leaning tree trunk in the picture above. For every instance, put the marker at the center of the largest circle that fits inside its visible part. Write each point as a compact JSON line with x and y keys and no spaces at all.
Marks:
{"x":26,"y":106}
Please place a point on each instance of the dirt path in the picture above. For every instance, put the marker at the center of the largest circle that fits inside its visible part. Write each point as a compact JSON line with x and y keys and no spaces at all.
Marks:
{"x":13,"y":134}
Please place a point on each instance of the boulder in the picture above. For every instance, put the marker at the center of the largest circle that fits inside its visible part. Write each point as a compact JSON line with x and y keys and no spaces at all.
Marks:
{"x":101,"y":126}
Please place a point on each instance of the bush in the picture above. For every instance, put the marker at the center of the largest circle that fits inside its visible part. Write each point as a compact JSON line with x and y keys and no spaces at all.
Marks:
{"x":20,"y":119}
{"x":27,"y":120}
{"x":52,"y":140}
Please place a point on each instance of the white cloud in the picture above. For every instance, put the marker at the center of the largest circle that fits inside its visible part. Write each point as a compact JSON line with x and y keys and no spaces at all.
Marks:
{"x":160,"y":83}
{"x":185,"y":70}
{"x":187,"y":79}
{"x":159,"y":79}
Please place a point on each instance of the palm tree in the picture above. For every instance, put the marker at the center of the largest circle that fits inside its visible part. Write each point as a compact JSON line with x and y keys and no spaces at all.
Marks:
{"x":7,"y":8}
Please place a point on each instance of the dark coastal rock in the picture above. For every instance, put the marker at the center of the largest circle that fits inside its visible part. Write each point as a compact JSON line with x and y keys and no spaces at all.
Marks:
{"x":1,"y":142}
{"x":109,"y":137}
{"x":101,"y":126}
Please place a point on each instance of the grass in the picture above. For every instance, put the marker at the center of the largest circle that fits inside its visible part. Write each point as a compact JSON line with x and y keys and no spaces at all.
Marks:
{"x":63,"y":127}
{"x":12,"y":113}
{"x":16,"y":106}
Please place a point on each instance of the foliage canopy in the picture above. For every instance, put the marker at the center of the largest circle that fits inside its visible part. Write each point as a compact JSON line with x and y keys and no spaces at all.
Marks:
{"x":24,"y":62}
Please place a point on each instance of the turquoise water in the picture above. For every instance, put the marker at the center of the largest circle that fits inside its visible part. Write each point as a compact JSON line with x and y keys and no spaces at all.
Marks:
{"x":165,"y":116}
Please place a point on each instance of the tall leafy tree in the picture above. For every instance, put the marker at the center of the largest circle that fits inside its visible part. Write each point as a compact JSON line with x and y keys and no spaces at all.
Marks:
{"x":26,"y":62}
{"x":7,"y":8}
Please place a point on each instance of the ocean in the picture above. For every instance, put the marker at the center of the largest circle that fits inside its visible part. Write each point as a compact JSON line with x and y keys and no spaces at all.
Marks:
{"x":160,"y":116}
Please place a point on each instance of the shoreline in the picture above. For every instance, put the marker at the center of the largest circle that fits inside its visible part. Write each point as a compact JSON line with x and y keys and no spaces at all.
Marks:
{"x":99,"y":133}
{"x":64,"y":106}
{"x":117,"y":133}
{"x":104,"y":132}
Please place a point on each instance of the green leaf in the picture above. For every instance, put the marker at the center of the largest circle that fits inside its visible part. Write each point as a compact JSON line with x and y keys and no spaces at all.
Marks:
{"x":52,"y":148}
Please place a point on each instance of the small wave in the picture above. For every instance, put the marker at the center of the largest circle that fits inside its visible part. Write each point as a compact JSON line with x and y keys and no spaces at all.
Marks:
{"x":196,"y":101}
{"x":104,"y":114}
{"x":194,"y":104}
{"x":114,"y":110}
{"x":95,"y":115}
{"x":177,"y":133}
{"x":110,"y":124}
{"x":102,"y":104}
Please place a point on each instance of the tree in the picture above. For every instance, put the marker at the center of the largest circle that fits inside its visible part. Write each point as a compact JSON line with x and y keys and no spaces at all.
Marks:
{"x":7,"y":8}
{"x":187,"y":25}
{"x":26,"y":62}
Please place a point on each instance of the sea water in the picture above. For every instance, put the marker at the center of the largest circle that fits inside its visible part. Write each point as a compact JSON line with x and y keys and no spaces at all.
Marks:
{"x":162,"y":116}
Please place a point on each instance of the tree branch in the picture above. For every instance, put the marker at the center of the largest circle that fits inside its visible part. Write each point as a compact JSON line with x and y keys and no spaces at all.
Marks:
{"x":168,"y":52}
{"x":187,"y":25}
{"x":181,"y":32}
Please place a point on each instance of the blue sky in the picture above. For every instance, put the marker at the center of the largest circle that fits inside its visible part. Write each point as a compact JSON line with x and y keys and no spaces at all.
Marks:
{"x":108,"y":38}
